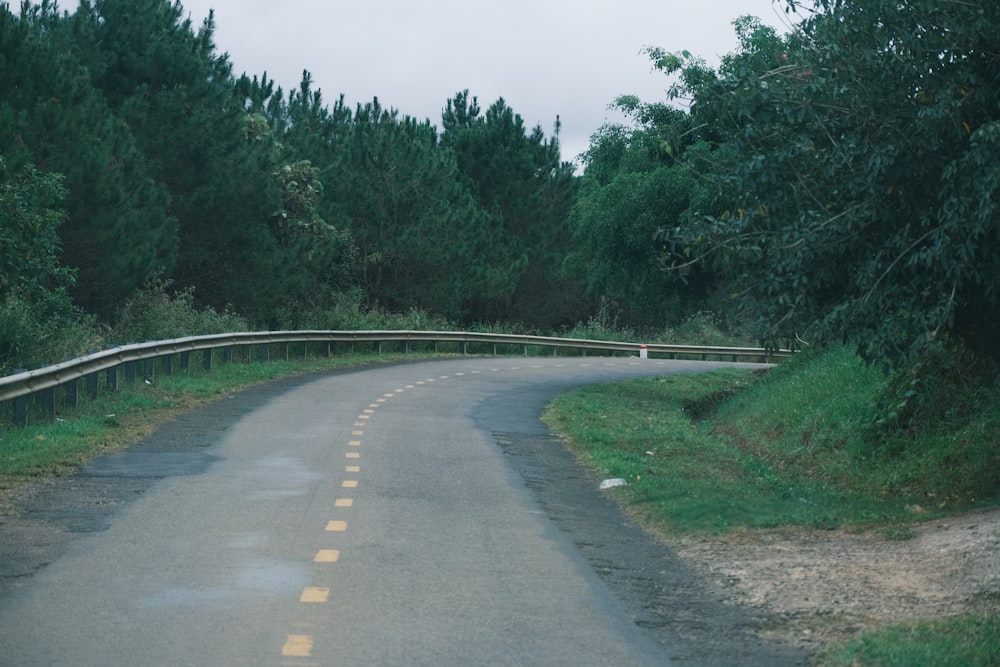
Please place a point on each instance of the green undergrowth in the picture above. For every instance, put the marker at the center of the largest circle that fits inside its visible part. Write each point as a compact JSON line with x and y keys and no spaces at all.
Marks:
{"x":738,"y":449}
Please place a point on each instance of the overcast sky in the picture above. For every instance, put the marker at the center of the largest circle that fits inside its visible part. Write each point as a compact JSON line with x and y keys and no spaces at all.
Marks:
{"x":569,"y":58}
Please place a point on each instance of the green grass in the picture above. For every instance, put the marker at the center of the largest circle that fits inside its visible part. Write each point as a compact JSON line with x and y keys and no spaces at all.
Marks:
{"x":963,"y":641}
{"x":706,"y":454}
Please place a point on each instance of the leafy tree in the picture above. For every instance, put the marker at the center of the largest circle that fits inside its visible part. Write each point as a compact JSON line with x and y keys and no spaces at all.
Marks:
{"x":638,"y":180}
{"x":31,"y":208}
{"x":864,"y":205}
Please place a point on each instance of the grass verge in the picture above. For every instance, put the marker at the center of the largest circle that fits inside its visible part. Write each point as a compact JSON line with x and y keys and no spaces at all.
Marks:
{"x":733,"y":450}
{"x":952,"y":642}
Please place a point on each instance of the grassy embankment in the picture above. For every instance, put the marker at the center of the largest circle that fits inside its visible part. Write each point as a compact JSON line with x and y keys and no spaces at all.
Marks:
{"x":710,"y":453}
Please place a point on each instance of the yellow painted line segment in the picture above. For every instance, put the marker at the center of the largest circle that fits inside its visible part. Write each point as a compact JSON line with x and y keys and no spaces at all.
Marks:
{"x":343,"y":502}
{"x":353,"y":469}
{"x":336,"y":526}
{"x":312,"y":594}
{"x":327,"y":556}
{"x":353,"y":455}
{"x":298,"y":646}
{"x":350,"y":484}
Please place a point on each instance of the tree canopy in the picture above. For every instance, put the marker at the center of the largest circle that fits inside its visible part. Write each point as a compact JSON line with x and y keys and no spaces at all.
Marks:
{"x":834,"y":182}
{"x":863,"y":205}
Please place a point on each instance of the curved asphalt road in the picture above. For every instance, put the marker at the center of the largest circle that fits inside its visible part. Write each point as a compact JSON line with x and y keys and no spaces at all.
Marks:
{"x":414,"y":514}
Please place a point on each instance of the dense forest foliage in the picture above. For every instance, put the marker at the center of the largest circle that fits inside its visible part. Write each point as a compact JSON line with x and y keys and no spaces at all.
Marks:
{"x":838,"y":182}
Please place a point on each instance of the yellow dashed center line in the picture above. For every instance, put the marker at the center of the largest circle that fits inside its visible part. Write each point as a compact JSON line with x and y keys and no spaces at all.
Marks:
{"x":302,"y":645}
{"x":298,"y":646}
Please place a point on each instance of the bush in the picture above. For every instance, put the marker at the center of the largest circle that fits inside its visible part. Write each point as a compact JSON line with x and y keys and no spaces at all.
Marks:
{"x":348,"y":314}
{"x":154,"y":314}
{"x":29,"y":338}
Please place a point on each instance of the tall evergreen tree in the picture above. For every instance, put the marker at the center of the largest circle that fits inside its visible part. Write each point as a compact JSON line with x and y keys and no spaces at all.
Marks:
{"x":229,"y":189}
{"x":518,"y":178}
{"x":118,"y":232}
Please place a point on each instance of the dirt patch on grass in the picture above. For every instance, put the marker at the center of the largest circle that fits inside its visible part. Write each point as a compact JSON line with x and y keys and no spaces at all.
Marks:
{"x":814,"y":587}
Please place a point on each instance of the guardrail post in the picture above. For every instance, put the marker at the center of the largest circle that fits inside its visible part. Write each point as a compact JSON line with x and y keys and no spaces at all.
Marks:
{"x":49,"y":402}
{"x":147,"y":369}
{"x":186,"y":361}
{"x":206,"y":359}
{"x":227,"y":355}
{"x":129,"y":372}
{"x":265,"y":352}
{"x":92,"y":381}
{"x":113,"y":379}
{"x":71,"y":394}
{"x":20,"y":405}
{"x":168,"y":364}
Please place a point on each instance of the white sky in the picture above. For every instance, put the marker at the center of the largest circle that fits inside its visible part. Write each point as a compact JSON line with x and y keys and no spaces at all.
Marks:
{"x":570,"y":58}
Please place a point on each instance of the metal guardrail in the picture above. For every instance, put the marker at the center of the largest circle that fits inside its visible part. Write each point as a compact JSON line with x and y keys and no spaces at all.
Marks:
{"x":43,"y":381}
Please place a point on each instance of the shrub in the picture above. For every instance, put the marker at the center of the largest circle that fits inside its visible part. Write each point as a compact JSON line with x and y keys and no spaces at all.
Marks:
{"x":153,"y":313}
{"x":31,"y":338}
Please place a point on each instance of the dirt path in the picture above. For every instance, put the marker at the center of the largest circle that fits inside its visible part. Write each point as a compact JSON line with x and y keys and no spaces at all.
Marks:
{"x":818,"y":586}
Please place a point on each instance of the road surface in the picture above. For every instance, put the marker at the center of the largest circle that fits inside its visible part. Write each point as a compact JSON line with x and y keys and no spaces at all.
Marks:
{"x":411,"y":514}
